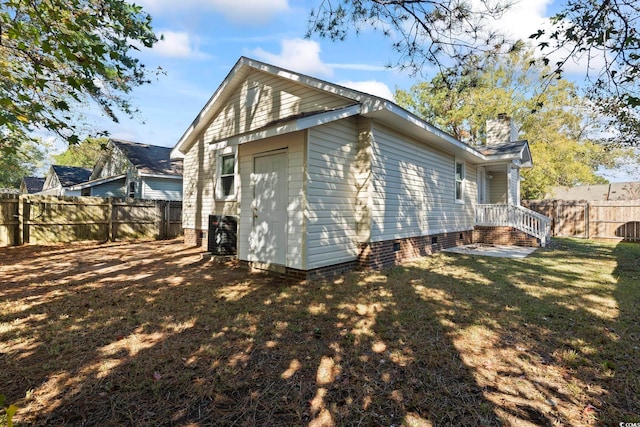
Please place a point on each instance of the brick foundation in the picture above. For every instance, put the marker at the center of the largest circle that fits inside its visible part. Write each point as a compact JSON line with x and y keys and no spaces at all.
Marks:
{"x":504,"y":236}
{"x":316,"y":273}
{"x":379,"y":255}
{"x":194,"y":237}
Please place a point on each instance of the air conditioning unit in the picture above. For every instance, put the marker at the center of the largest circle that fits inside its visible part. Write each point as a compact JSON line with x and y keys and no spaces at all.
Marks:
{"x":222,"y":235}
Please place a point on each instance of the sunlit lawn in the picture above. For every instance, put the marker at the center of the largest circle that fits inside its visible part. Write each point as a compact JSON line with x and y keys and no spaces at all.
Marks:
{"x":153,"y":334}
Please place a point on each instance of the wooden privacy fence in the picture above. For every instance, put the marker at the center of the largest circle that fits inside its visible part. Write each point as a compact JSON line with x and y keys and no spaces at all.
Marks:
{"x":54,"y":219}
{"x":591,"y":219}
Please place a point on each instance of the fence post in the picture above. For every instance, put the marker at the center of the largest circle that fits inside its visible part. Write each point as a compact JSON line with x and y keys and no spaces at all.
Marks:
{"x":167,"y":218}
{"x":110,"y":237}
{"x":587,"y":218}
{"x":23,"y":219}
{"x":162,"y":212}
{"x":555,"y":217}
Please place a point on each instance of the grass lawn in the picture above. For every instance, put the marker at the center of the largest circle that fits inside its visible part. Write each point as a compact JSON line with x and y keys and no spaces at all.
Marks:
{"x":152,"y":334}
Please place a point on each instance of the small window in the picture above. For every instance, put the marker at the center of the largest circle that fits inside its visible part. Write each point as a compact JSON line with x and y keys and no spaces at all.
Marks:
{"x":227,"y":175}
{"x":226,"y":188}
{"x":132,"y":190}
{"x":459,"y":182}
{"x":85,"y":191}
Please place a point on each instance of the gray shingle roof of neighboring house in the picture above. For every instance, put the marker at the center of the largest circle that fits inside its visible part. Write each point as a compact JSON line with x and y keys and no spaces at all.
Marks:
{"x":71,"y":175}
{"x":613,"y":191}
{"x":33,"y":184}
{"x":150,"y":159}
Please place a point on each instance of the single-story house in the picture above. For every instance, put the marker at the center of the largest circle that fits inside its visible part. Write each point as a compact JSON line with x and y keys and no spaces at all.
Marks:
{"x":59,"y":180}
{"x":31,"y":184}
{"x":134,"y":170}
{"x":321,"y":178}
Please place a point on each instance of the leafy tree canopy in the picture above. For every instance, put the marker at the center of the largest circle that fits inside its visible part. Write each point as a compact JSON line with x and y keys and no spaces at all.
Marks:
{"x":85,"y":154}
{"x":56,"y":55}
{"x":25,"y":160}
{"x":562,"y":132}
{"x":453,"y":34}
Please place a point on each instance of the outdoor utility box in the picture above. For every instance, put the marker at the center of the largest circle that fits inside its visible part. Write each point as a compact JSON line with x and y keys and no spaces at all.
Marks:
{"x":223,"y":235}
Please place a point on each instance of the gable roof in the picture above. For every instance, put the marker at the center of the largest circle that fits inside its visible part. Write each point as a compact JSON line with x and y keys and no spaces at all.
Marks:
{"x":149,"y":159}
{"x":71,"y":175}
{"x":510,"y":150}
{"x":358,"y":103}
{"x":33,"y":184}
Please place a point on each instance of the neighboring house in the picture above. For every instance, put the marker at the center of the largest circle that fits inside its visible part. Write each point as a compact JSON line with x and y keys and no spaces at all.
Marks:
{"x":323,"y":178}
{"x":130,"y":169}
{"x":31,"y":184}
{"x":60,"y":180}
{"x":599,"y":192}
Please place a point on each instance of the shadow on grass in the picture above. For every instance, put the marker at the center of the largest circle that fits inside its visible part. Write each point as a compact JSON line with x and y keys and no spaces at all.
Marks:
{"x":152,"y":334}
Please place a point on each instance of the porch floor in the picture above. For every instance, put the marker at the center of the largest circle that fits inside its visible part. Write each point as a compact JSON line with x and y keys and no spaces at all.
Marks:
{"x":483,"y":249}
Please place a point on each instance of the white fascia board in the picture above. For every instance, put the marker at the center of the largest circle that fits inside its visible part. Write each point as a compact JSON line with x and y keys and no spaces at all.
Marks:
{"x":293,"y":126}
{"x":95,"y":182}
{"x":157,"y":175}
{"x":208,"y":110}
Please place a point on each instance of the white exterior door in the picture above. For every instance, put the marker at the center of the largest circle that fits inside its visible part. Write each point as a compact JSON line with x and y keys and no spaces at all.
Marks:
{"x":268,"y":238}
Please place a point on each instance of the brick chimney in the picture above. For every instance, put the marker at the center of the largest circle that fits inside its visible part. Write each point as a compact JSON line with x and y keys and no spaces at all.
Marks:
{"x":500,"y":130}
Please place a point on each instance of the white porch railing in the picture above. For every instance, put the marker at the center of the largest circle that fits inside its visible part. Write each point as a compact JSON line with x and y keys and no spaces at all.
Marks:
{"x":523,"y":219}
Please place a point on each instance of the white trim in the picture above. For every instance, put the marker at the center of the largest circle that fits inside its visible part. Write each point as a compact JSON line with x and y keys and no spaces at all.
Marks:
{"x":95,"y":182}
{"x":372,"y":106}
{"x":463,"y":185}
{"x":224,"y":152}
{"x":293,"y":125}
{"x":481,"y":182}
{"x":157,"y":175}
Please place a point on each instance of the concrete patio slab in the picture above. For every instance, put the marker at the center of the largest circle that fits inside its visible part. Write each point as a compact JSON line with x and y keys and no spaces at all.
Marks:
{"x":482,"y":249}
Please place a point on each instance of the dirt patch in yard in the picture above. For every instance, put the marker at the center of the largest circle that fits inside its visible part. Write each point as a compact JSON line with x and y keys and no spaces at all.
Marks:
{"x":152,"y":333}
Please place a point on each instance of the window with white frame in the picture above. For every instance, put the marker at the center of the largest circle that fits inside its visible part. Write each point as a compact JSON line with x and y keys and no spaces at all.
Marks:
{"x":227,"y":168}
{"x":459,"y":184}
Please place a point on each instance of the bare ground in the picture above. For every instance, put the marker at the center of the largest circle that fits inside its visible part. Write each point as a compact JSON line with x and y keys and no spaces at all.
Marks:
{"x":152,"y":333}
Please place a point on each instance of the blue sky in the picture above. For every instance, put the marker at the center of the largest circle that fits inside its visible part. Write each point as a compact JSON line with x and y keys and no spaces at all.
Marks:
{"x":204,"y":38}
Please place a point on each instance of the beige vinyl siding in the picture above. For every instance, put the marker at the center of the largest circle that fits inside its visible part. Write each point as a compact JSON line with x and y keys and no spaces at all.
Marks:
{"x":413,"y":189}
{"x":331,"y":194}
{"x":277,"y":98}
{"x":294,"y":144}
{"x":197,"y":190}
{"x":498,"y":188}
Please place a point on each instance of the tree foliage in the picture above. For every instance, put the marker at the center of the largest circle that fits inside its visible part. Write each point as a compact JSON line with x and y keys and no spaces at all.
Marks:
{"x":453,"y":34}
{"x":424,"y":33}
{"x":25,"y":160}
{"x":84,"y":154}
{"x":557,"y":122}
{"x":57,"y":55}
{"x":605,"y":35}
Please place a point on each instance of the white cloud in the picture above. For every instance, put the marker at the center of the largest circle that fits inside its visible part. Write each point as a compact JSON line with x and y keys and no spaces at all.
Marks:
{"x":359,"y":67}
{"x":298,"y":55}
{"x":524,"y":18}
{"x":177,"y":44}
{"x":371,"y":87}
{"x":239,"y":11}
